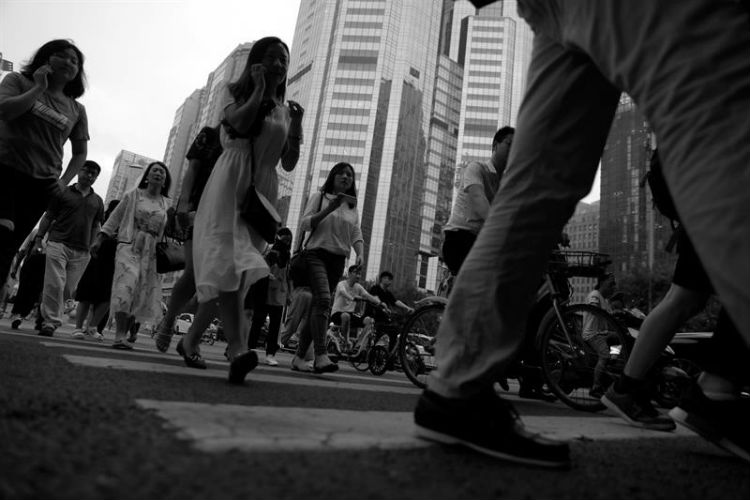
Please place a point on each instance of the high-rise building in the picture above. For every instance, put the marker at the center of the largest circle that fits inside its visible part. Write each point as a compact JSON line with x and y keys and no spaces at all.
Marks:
{"x":524,"y":39}
{"x":442,"y":145}
{"x":180,"y":138}
{"x":630,"y":229}
{"x":126,"y":173}
{"x":583,"y":231}
{"x":488,"y":45}
{"x":365,"y":73}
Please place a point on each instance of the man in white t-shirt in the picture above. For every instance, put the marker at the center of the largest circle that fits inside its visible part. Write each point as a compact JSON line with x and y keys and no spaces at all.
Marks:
{"x":476,"y":185}
{"x":348,"y":291}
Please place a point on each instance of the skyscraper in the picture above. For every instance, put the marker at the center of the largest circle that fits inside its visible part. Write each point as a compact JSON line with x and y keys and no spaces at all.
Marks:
{"x":180,"y":137}
{"x":631,"y":230}
{"x":365,"y":72}
{"x":126,"y":173}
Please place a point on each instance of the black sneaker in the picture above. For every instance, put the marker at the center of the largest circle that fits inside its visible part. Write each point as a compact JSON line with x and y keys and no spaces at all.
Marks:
{"x":489,"y":425}
{"x":724,"y":423}
{"x":637,"y":410}
{"x":47,"y":331}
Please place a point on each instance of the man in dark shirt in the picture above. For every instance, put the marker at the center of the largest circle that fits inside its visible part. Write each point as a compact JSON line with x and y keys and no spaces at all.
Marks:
{"x":382,"y":291}
{"x":73,"y":219}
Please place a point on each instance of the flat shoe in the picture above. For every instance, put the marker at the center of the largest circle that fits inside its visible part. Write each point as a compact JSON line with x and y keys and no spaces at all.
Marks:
{"x":123,"y":346}
{"x":329,"y":368}
{"x":195,"y":360}
{"x":241,"y":366}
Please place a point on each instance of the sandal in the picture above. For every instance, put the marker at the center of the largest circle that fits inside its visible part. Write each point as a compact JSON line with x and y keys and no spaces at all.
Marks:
{"x":300,"y":365}
{"x":163,"y":339}
{"x":241,"y":366}
{"x":195,"y":360}
{"x":122,"y":345}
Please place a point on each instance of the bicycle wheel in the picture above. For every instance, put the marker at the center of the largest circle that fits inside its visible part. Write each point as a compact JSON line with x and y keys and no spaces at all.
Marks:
{"x":377,"y":360}
{"x":417,"y":343}
{"x":359,"y":361}
{"x":568,"y":365}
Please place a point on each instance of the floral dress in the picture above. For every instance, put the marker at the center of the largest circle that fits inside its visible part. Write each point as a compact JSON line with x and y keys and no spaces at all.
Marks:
{"x":136,"y":287}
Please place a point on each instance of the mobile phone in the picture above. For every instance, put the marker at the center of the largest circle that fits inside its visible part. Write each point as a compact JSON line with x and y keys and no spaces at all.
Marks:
{"x":347,"y":198}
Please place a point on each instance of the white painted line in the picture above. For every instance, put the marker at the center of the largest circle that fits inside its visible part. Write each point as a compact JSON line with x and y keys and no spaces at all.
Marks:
{"x":223,"y":427}
{"x":329,"y":381}
{"x":342,"y":374}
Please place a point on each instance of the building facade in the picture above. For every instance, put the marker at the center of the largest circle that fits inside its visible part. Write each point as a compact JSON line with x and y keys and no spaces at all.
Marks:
{"x":583,"y":231}
{"x":631,"y":230}
{"x":181,"y":136}
{"x":127,"y":171}
{"x":365,"y":73}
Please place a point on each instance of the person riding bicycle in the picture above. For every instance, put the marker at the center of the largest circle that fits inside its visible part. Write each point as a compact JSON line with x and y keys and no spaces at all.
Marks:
{"x":382,"y":315}
{"x":595,"y":335}
{"x":348,"y":292}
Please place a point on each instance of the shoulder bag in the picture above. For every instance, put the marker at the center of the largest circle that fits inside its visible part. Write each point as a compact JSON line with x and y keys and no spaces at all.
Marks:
{"x":257,"y":211}
{"x":298,"y":263}
{"x":170,"y":256}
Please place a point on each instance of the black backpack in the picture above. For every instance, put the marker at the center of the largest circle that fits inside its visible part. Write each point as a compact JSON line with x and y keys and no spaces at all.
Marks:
{"x":662,"y":197}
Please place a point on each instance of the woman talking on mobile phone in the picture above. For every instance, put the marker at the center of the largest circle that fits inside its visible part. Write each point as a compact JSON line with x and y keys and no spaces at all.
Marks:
{"x":331,"y":214}
{"x":39,"y":112}
{"x":258,"y":130}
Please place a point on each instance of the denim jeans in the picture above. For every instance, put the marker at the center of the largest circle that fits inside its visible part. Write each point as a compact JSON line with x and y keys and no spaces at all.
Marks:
{"x":64,"y":268}
{"x":686,"y":66}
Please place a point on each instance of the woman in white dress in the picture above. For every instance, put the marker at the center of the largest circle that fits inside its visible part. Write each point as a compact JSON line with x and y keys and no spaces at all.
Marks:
{"x":259,"y":130}
{"x":138,"y":223}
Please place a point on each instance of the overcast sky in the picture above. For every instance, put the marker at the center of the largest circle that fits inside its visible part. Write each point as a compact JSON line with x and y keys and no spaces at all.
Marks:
{"x":143,"y":58}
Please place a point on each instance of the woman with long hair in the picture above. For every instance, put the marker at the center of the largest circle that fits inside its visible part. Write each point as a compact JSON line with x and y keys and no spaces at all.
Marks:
{"x":138,"y":223}
{"x":39,"y":113}
{"x":258,"y":131}
{"x":331,"y":214}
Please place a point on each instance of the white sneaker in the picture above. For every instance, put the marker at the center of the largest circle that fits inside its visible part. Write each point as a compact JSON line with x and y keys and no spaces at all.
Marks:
{"x":95,"y":335}
{"x":271,"y":360}
{"x":78,"y":334}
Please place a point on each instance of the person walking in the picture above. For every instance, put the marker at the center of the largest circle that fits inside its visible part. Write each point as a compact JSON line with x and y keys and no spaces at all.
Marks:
{"x":39,"y":113}
{"x":73,"y":219}
{"x":269,"y":295}
{"x":138,"y":224}
{"x":94,"y":291}
{"x":258,"y":130}
{"x":202,"y":157}
{"x":332,"y":215}
{"x":586,"y":52}
{"x":30,"y":279}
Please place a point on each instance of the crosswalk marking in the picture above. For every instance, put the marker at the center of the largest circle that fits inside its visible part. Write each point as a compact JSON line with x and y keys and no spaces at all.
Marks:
{"x":138,"y":353}
{"x":223,"y":427}
{"x":332,"y":381}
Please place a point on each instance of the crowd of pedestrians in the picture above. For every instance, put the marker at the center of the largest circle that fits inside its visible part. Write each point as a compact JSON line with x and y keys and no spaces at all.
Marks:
{"x":507,"y":215}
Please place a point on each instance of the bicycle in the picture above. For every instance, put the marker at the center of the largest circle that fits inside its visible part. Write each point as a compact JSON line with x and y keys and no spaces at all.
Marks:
{"x":555,"y":333}
{"x":356,"y":352}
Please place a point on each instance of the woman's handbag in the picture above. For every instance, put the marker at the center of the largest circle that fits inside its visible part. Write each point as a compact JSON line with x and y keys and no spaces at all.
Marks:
{"x":257,"y":211}
{"x":170,"y":256}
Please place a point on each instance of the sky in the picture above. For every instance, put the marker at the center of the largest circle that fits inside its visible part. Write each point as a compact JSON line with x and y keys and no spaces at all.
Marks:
{"x":143,"y":58}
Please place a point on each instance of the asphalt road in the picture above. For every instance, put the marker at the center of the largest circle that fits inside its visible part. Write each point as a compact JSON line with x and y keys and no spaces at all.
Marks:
{"x":81,"y":420}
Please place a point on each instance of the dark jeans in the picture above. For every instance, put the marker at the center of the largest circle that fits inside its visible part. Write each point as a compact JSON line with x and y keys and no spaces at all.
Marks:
{"x":30,"y":283}
{"x":456,"y":247}
{"x":324,"y":271}
{"x":274,"y":324}
{"x":23,"y":200}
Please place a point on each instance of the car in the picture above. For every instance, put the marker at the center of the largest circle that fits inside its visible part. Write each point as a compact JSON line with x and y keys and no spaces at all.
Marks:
{"x":182,"y":323}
